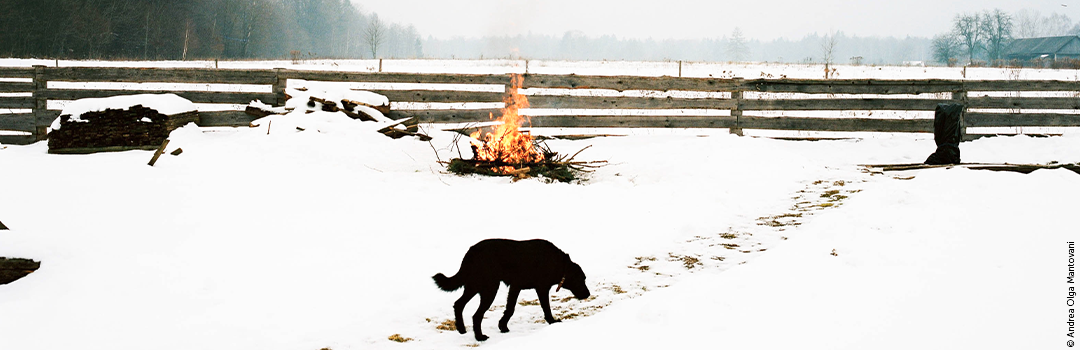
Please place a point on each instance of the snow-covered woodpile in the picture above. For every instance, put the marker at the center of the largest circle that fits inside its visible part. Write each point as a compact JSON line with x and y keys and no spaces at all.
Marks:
{"x":119,"y":123}
{"x":364,"y":106}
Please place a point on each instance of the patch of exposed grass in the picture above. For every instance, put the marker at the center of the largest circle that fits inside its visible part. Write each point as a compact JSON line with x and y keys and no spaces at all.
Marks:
{"x":729,"y":235}
{"x":689,"y":262}
{"x":529,"y":302}
{"x":398,"y":338}
{"x":618,"y":290}
{"x":447,"y":325}
{"x":830,"y":193}
{"x":730,"y":245}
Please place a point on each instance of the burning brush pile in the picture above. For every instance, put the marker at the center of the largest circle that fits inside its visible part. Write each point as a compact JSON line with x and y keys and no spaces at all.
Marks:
{"x":507,"y":151}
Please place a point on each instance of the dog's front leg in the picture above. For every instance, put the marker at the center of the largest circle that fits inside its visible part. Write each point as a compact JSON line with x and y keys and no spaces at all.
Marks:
{"x":511,"y":302}
{"x":542,"y":293}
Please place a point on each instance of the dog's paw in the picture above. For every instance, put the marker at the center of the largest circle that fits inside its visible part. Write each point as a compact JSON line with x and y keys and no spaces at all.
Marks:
{"x":460,"y":328}
{"x":504,"y":329}
{"x":481,"y":337}
{"x":552,"y":320}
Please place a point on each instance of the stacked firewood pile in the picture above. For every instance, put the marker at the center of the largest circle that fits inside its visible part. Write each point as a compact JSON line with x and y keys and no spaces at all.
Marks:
{"x":136,"y":127}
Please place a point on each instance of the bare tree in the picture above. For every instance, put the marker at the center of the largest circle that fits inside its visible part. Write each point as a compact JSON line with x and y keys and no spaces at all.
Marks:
{"x":828,"y":46}
{"x":998,"y":26}
{"x":967,"y":28}
{"x":1056,"y":24}
{"x":375,"y":35}
{"x":946,"y":48}
{"x":1027,"y":23}
{"x":736,"y":46}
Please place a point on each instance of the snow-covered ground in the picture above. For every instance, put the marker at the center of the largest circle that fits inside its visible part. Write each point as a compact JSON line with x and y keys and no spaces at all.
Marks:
{"x":327,"y":238}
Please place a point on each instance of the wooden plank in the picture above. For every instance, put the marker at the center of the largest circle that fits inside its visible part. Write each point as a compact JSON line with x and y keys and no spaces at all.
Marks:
{"x":46,"y":117}
{"x":194,"y":96}
{"x":19,"y":102}
{"x":625,"y":121}
{"x":500,"y":79}
{"x":16,"y":72}
{"x":853,"y":86}
{"x":436,"y":96}
{"x":447,"y":115}
{"x":161,"y":75}
{"x":1018,"y":119}
{"x":841,"y":104}
{"x":89,"y":150}
{"x":1021,"y":85}
{"x":1018,"y":168}
{"x":225,"y":118}
{"x":17,"y":139}
{"x":600,"y":102}
{"x":17,"y":122}
{"x":838,"y":124}
{"x":623,"y":83}
{"x":1024,"y":102}
{"x":13,"y":86}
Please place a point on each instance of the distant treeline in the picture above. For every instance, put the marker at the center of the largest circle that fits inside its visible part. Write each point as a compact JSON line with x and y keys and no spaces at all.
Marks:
{"x":734,"y":47}
{"x":198,"y":29}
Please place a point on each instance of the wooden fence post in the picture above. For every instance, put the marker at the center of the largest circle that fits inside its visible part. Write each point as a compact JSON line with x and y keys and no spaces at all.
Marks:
{"x":680,"y":69}
{"x":960,"y":97}
{"x":41,"y":104}
{"x":737,"y":111}
{"x":279,"y":87}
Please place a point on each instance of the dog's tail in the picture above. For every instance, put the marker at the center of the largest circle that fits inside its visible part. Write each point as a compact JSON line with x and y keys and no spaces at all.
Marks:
{"x":448,"y":284}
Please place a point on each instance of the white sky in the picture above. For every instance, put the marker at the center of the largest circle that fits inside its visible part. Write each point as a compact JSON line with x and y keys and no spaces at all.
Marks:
{"x":663,"y":19}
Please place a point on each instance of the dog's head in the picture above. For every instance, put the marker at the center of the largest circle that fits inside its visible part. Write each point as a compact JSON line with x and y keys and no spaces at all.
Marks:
{"x":575,"y":280}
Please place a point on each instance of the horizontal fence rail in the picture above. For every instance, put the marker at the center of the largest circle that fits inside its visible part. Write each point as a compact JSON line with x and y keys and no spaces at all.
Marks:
{"x":559,"y":101}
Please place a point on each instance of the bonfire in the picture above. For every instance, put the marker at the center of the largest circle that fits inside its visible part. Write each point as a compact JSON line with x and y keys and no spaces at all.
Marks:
{"x":508,"y":151}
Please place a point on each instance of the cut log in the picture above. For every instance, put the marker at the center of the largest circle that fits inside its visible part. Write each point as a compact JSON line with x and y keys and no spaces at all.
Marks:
{"x":14,"y":269}
{"x":1017,"y":168}
{"x":257,"y":112}
{"x":158,"y":153}
{"x":351,"y":104}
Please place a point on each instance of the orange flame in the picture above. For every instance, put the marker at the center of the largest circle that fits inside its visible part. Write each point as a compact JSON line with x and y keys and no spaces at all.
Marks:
{"x":506,"y":143}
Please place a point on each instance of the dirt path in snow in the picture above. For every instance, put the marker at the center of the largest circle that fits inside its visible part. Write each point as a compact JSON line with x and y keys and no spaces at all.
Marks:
{"x":716,"y":252}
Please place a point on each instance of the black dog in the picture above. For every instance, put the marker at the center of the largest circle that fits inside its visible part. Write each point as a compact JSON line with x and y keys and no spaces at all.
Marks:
{"x":534,"y":264}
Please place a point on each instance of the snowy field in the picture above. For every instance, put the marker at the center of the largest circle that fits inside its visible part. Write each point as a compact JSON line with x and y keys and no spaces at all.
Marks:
{"x":746,"y":70}
{"x":311,"y":240}
{"x":328,"y":238}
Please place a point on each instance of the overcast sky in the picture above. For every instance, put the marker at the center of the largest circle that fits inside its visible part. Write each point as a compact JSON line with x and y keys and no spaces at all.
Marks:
{"x":681,"y":19}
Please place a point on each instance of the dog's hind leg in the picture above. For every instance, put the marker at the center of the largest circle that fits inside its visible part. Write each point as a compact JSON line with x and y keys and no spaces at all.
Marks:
{"x":511,"y":302}
{"x":459,"y":307}
{"x":487,"y":296}
{"x":542,"y":293}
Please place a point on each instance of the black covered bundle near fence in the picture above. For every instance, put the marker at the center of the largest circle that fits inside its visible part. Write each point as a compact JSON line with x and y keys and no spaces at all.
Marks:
{"x":947,"y":134}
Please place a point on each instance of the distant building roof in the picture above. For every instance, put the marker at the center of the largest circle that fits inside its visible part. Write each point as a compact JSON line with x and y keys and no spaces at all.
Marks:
{"x":1048,"y":46}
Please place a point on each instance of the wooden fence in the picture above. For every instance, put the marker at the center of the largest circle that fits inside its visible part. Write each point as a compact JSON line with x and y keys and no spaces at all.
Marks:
{"x":734,"y":101}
